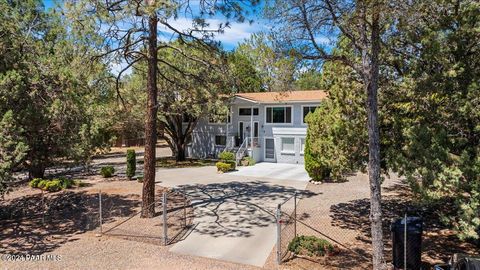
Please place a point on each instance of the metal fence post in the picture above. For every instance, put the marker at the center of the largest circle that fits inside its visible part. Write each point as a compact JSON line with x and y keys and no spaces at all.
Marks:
{"x":295,"y":214}
{"x":164,"y":204}
{"x":279,"y":234}
{"x":100,"y":209}
{"x":405,"y":244}
{"x":184,"y":208}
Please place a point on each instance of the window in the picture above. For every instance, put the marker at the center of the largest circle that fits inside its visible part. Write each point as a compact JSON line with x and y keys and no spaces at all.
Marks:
{"x":279,"y":115}
{"x":288,"y":145}
{"x":307,"y":110}
{"x":247,"y":111}
{"x":221,"y":140}
{"x":302,"y":146}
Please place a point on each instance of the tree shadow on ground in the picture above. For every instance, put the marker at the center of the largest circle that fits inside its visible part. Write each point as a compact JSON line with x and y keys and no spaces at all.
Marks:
{"x":27,"y":227}
{"x":235,"y":209}
{"x":439,"y":243}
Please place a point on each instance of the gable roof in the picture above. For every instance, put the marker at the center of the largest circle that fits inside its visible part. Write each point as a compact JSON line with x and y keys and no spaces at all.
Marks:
{"x":286,"y":96}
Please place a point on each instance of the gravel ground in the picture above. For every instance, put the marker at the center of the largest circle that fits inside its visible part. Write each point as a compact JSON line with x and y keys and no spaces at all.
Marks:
{"x":327,"y":212}
{"x":90,"y":252}
{"x":78,"y":247}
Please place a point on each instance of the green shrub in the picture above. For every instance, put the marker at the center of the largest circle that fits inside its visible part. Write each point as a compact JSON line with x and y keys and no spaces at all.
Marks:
{"x":310,"y":245}
{"x":107,"y":171}
{"x":53,"y":185}
{"x":66,"y":183}
{"x":131,"y":163}
{"x":232,"y":163}
{"x":42,"y":183}
{"x":34,"y":183}
{"x":315,"y":164}
{"x":249,"y":161}
{"x":223,"y":167}
{"x":226,"y":156}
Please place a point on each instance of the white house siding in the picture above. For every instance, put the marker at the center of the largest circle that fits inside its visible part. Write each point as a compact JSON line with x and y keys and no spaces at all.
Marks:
{"x":203,"y":140}
{"x":203,"y":144}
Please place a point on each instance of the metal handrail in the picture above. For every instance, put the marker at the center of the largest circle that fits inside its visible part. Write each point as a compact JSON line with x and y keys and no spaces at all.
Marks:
{"x":241,"y":151}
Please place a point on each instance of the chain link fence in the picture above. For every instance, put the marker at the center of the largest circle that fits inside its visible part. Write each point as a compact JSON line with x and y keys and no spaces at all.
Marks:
{"x":41,"y":222}
{"x":294,"y":219}
{"x":173,"y":217}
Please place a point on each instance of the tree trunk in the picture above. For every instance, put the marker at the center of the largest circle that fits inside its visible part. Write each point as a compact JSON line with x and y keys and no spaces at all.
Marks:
{"x":371,"y":70}
{"x":36,"y":171}
{"x":148,"y":196}
{"x":180,"y":155}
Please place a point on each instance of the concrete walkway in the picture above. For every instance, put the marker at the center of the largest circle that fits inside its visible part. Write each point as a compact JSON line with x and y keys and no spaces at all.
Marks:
{"x":295,"y":172}
{"x":234,"y":218}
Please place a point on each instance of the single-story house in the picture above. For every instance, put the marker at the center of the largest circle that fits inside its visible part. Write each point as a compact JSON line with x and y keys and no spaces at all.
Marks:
{"x":268,"y":126}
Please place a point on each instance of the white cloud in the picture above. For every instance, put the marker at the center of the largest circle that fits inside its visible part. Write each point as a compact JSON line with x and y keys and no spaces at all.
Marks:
{"x":236,"y":32}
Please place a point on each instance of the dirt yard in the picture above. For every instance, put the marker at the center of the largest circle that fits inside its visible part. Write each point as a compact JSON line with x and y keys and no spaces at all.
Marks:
{"x":339,"y":212}
{"x":69,"y":229}
{"x":65,"y":225}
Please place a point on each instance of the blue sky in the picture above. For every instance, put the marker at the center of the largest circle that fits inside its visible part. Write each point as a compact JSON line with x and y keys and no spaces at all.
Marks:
{"x":237,"y":32}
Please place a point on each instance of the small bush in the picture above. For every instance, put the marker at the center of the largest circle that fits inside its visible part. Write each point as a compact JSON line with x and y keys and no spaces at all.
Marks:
{"x":34,"y":183}
{"x":53,"y":185}
{"x":248,"y":161}
{"x":42,"y":184}
{"x":107,"y":171}
{"x":226,"y":156}
{"x":66,"y":183}
{"x":131,"y":163}
{"x":310,"y":245}
{"x":223,"y":167}
{"x":232,"y":163}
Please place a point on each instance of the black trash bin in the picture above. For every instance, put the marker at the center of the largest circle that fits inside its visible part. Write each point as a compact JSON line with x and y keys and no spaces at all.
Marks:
{"x":465,"y":262}
{"x":413,"y":243}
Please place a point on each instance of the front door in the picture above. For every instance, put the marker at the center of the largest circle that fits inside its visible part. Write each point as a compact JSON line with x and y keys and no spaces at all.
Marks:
{"x":269,"y":149}
{"x":241,"y":127}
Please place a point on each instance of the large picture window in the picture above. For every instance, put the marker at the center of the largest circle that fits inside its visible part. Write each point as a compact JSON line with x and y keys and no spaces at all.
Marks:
{"x":247,"y":111}
{"x":307,"y":110}
{"x":288,"y":145}
{"x":279,"y":115}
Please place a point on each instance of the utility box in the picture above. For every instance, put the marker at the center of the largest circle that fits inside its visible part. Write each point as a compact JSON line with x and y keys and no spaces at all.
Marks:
{"x":412,"y":228}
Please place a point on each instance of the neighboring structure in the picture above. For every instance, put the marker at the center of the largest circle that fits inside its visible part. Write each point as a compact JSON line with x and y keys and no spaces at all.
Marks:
{"x":268,"y":126}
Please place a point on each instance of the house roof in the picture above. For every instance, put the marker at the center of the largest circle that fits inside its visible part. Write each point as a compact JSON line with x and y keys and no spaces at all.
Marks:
{"x":286,"y":96}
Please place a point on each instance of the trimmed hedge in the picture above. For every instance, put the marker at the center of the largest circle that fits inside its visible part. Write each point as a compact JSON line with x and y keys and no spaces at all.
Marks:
{"x":34,"y":183}
{"x":232,"y":163}
{"x":131,"y":163}
{"x":223,"y":167}
{"x":54,"y":184}
{"x":226,"y":156}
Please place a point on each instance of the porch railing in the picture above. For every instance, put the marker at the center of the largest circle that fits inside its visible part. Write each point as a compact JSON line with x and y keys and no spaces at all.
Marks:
{"x":241,"y":150}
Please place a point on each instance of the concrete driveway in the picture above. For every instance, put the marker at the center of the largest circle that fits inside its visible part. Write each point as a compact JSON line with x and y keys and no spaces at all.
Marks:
{"x":281,"y":171}
{"x":234,"y":217}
